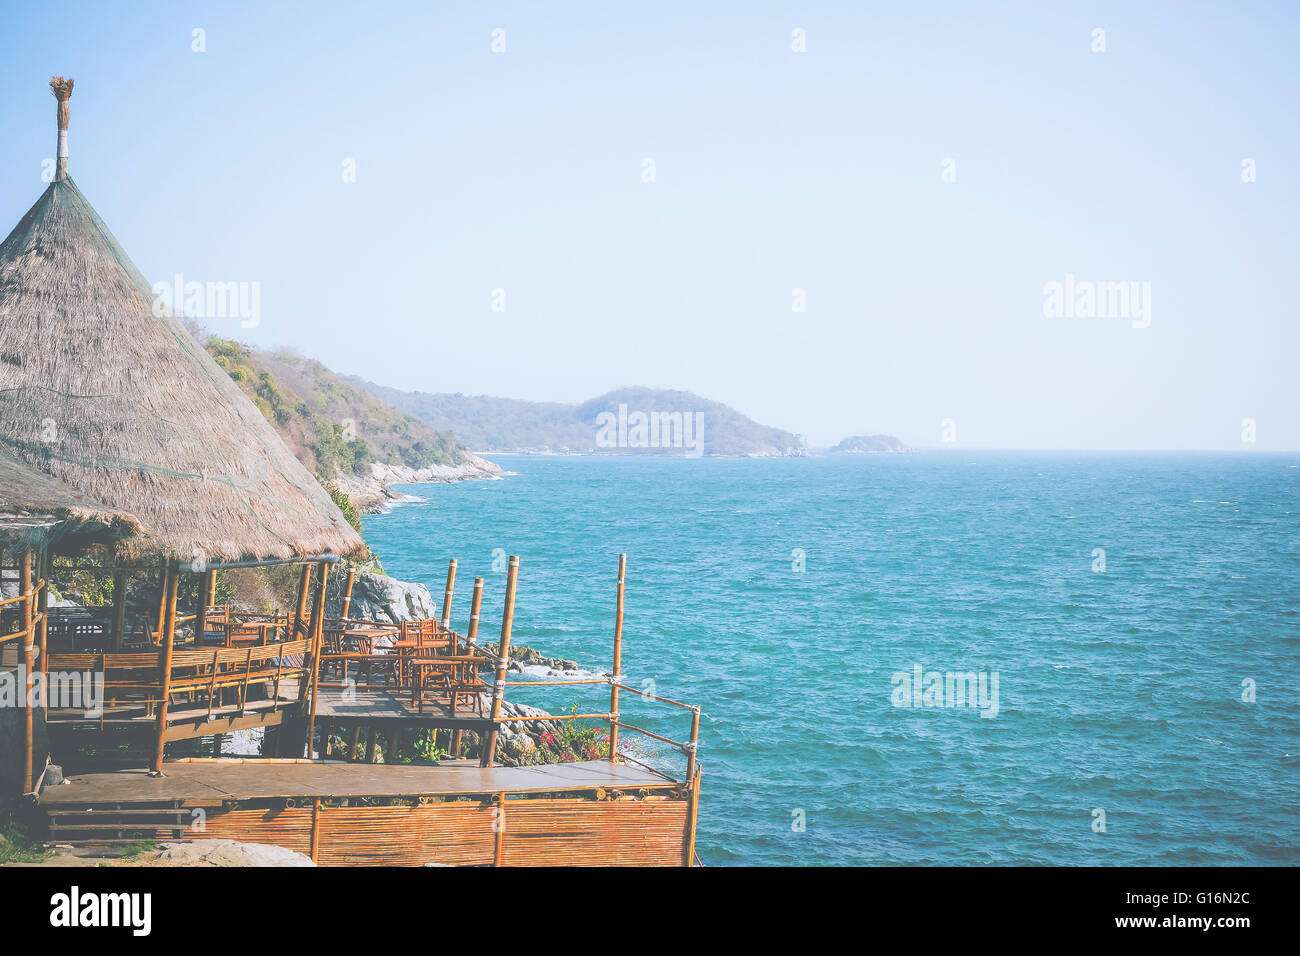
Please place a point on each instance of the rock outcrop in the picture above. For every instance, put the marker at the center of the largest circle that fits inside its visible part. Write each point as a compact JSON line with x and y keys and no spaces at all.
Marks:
{"x":374,"y":493}
{"x":377,"y":597}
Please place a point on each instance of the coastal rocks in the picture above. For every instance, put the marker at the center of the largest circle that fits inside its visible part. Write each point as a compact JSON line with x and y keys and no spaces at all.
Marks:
{"x":522,"y":656}
{"x":373,"y":493}
{"x":377,"y":597}
{"x":221,"y":853}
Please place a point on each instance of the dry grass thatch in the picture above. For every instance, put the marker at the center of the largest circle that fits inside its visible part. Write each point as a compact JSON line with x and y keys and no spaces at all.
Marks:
{"x":37,"y":508}
{"x":118,"y":406}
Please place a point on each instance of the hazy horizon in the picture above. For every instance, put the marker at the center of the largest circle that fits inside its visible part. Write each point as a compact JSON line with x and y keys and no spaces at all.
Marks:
{"x":917,"y":180}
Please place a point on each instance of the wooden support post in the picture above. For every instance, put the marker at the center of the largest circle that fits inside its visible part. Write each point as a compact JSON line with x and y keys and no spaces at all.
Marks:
{"x":691,"y":756}
{"x":471,"y":642}
{"x":618,"y":659}
{"x":162,"y":602}
{"x":353,"y":753}
{"x":446,"y":597}
{"x":347,"y":593}
{"x":692,"y":818}
{"x":394,"y":742}
{"x":206,"y":588}
{"x":25,"y":669}
{"x":43,"y":607}
{"x":325,"y":745}
{"x":315,"y":828}
{"x":171,"y":578}
{"x":210,"y":594}
{"x":303,"y":584}
{"x":317,"y":633}
{"x":471,"y":635}
{"x":503,"y":662}
{"x":216,"y":745}
{"x":119,"y":609}
{"x":498,"y":829}
{"x":370,"y":743}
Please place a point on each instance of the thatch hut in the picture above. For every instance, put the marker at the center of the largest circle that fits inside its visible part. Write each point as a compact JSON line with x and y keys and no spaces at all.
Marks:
{"x":124,"y":407}
{"x":117,"y":428}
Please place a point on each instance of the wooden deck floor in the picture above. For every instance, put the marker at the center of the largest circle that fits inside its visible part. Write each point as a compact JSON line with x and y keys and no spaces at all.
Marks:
{"x":210,"y":782}
{"x":366,"y":706}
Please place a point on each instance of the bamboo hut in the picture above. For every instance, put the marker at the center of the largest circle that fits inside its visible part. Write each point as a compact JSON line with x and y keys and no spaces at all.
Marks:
{"x":119,"y":431}
{"x":122,"y":443}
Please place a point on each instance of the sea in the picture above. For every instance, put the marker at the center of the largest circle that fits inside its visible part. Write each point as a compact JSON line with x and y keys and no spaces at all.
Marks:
{"x":970,"y":658}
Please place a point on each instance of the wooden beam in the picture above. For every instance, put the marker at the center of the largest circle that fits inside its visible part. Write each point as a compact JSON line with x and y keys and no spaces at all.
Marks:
{"x":171,"y":576}
{"x":618,"y":658}
{"x":503,"y":662}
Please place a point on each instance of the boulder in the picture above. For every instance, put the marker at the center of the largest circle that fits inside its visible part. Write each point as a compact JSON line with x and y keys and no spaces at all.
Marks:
{"x":221,"y":853}
{"x":377,"y":597}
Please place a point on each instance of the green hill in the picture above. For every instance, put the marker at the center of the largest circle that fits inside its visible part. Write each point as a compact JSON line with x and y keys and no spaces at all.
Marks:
{"x":334,"y":427}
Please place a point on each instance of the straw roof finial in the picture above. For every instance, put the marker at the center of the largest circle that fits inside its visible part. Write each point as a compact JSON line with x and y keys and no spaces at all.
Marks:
{"x":61,"y":87}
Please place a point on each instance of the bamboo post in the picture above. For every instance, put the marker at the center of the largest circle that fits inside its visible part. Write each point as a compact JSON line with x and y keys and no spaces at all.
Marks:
{"x":171,"y":578}
{"x":347,"y":593}
{"x":446,"y":597}
{"x":162,"y":602}
{"x":503,"y":661}
{"x":370,"y":743}
{"x":206,"y":589}
{"x":119,"y":609}
{"x":317,"y":633}
{"x":25,"y":669}
{"x":471,"y":635}
{"x":304,"y":583}
{"x":43,"y":606}
{"x":315,"y":828}
{"x":354,"y":752}
{"x":692,"y":819}
{"x":618,"y":659}
{"x":471,"y":642}
{"x":210,"y":596}
{"x":694,"y":744}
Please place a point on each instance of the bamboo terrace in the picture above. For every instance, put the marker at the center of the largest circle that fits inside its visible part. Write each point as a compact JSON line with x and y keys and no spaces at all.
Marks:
{"x":127,"y":453}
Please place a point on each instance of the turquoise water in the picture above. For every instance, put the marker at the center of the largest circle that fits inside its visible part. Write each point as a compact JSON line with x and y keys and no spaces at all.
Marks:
{"x":1118,"y":690}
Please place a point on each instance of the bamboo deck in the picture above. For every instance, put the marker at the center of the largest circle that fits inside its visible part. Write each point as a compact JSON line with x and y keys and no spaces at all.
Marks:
{"x":212,"y":782}
{"x":589,"y":813}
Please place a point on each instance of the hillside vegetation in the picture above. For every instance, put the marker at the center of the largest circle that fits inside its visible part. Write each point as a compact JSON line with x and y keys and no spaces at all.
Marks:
{"x":334,"y":427}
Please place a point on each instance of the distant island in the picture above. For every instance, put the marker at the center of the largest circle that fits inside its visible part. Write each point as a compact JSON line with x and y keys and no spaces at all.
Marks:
{"x":869,"y":445}
{"x":627,"y":421}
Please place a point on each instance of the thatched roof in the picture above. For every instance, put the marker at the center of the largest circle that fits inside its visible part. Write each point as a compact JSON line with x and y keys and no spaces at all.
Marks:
{"x":118,"y":407}
{"x":35,"y":508}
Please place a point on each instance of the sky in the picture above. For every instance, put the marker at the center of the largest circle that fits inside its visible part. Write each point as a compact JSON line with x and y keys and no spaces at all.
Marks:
{"x":652,"y":191}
